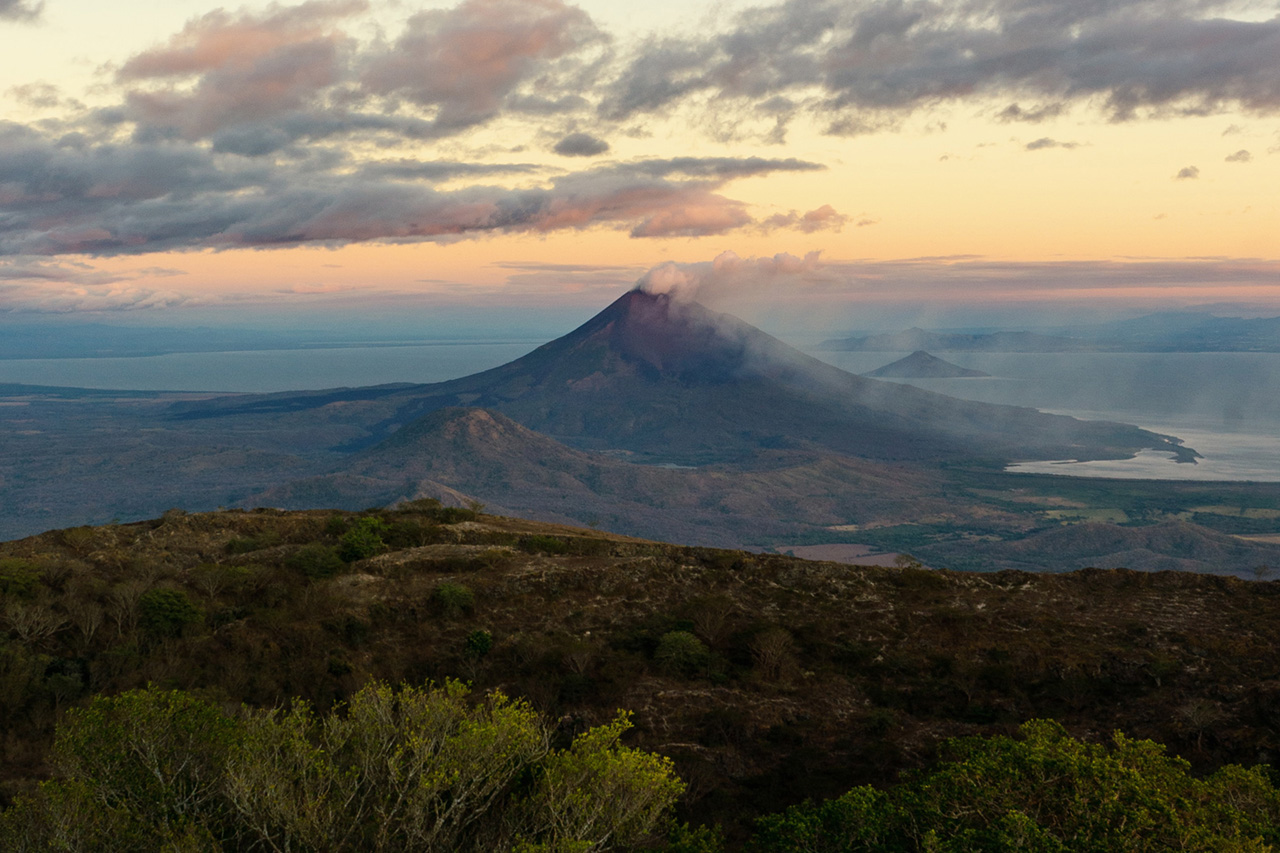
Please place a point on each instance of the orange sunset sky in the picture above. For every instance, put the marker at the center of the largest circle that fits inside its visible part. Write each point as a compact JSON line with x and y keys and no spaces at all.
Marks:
{"x":219,"y":162}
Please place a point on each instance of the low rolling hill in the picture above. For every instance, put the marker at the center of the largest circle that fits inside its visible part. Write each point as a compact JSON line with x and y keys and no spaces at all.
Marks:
{"x":767,"y":679}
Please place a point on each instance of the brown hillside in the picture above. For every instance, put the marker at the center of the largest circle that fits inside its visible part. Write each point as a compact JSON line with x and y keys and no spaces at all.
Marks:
{"x":767,"y":678}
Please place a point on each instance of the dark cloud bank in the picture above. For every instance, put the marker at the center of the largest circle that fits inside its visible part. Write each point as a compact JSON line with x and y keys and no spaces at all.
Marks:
{"x":20,"y":10}
{"x":236,"y":131}
{"x":871,"y":63}
{"x":69,"y":196}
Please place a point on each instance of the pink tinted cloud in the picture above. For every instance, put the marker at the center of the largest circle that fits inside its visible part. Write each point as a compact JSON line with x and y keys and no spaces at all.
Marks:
{"x":699,"y":216}
{"x":219,"y":41}
{"x":62,"y":194}
{"x":824,"y":218}
{"x":250,"y":68}
{"x":465,"y":61}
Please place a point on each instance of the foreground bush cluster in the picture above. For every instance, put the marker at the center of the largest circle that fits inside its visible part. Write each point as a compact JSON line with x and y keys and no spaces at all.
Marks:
{"x":1042,"y":793}
{"x":395,"y":770}
{"x":436,"y":769}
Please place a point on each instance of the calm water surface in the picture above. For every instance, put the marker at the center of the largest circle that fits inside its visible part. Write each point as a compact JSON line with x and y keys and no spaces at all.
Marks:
{"x":263,"y":371}
{"x":1225,"y":405}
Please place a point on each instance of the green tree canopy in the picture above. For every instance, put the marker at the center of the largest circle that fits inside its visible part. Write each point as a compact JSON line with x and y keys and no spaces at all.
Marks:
{"x":1044,"y":792}
{"x":414,"y":768}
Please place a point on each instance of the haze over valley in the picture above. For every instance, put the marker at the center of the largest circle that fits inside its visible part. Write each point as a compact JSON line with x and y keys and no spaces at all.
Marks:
{"x":663,"y":419}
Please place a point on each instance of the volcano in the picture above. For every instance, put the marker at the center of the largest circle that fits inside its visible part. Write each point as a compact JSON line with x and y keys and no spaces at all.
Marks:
{"x":659,"y":379}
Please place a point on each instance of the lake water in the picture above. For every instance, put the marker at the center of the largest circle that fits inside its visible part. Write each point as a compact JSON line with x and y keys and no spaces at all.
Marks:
{"x":1225,"y":405}
{"x":263,"y":371}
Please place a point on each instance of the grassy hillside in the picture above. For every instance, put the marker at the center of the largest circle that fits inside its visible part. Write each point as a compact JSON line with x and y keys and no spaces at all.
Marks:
{"x":767,"y":679}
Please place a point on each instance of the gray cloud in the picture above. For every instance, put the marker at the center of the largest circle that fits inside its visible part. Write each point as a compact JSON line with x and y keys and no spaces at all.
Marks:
{"x":1241,"y":156}
{"x":224,"y":119}
{"x":43,"y":270}
{"x":1031,"y":115}
{"x":20,"y":10}
{"x":57,"y":286}
{"x":247,"y":70}
{"x":824,"y":218}
{"x":724,"y":167}
{"x":1187,"y":173}
{"x":1046,"y":142}
{"x":875,"y":60}
{"x":581,"y":145}
{"x":39,"y":95}
{"x":465,"y":63}
{"x":441,"y":170}
{"x":257,"y":83}
{"x":68,"y":195}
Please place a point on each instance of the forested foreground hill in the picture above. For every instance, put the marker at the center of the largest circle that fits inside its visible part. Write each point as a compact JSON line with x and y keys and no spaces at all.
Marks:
{"x":765,"y":679}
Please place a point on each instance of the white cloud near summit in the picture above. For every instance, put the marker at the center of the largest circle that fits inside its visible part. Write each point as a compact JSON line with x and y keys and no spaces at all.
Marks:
{"x":729,"y":275}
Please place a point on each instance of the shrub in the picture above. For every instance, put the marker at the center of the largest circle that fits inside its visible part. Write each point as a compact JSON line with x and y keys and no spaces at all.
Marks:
{"x":681,"y":653}
{"x":435,"y":511}
{"x":363,"y":539}
{"x":249,"y":544}
{"x":773,"y":651}
{"x":478,"y":644}
{"x":407,"y":533}
{"x":453,"y":599}
{"x":455,"y":514}
{"x":18,"y":577}
{"x":165,"y":612}
{"x":316,"y":560}
{"x":80,"y":540}
{"x":690,"y":839}
{"x":539,"y":544}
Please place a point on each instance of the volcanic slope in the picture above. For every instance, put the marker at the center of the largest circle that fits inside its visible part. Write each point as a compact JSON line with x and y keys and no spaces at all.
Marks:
{"x":673,"y":381}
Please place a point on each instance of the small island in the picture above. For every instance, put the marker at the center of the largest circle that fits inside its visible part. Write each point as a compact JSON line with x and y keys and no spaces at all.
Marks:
{"x":922,"y":365}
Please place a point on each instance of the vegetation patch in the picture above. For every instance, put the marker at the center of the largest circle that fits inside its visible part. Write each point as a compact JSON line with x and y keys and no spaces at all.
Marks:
{"x":1046,"y":792}
{"x":166,"y":770}
{"x":767,"y":680}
